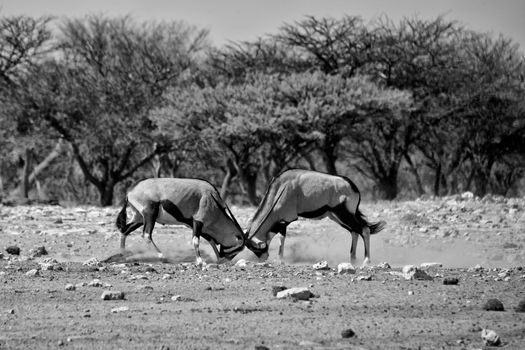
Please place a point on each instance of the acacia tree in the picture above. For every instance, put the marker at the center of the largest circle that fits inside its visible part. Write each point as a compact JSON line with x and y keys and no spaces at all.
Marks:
{"x":98,"y":92}
{"x":24,"y":42}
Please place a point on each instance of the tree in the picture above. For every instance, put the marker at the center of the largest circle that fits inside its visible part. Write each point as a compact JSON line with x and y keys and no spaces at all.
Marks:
{"x":97,"y":94}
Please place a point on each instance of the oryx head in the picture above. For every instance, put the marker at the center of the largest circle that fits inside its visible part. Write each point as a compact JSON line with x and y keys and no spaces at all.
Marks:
{"x":229,"y":236}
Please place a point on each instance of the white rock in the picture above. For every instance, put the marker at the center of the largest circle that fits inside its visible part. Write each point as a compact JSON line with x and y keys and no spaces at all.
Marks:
{"x":166,"y":276}
{"x":33,"y":273}
{"x":92,"y":262}
{"x":410,"y":272}
{"x":70,"y":287}
{"x":119,"y":309}
{"x":364,"y":278}
{"x":112,"y":295}
{"x":467,"y":195}
{"x":241,"y":263}
{"x":345,"y":267}
{"x":301,"y":293}
{"x":95,"y":283}
{"x":321,"y":265}
{"x":177,"y":298}
{"x":384,"y":265}
{"x":430,"y":264}
{"x":490,"y":338}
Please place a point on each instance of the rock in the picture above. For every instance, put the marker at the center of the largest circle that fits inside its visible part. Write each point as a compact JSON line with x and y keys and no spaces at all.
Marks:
{"x":1,"y":256}
{"x":490,"y":338}
{"x":13,"y":250}
{"x":521,"y":306}
{"x":430,"y":264}
{"x":347,"y":333}
{"x":299,"y":293}
{"x":70,"y":287}
{"x":410,"y":272}
{"x":112,"y":295}
{"x":467,"y":195}
{"x":33,"y":273}
{"x":261,"y":347}
{"x":384,"y":265}
{"x":50,"y":264}
{"x":37,"y":252}
{"x":119,"y":309}
{"x":241,"y":263}
{"x":211,"y":266}
{"x":450,"y":281}
{"x":166,"y":276}
{"x":94,"y":262}
{"x":181,"y":298}
{"x":364,"y":278}
{"x":493,"y":305}
{"x":321,"y":265}
{"x":277,"y":289}
{"x":345,"y":267}
{"x":95,"y":283}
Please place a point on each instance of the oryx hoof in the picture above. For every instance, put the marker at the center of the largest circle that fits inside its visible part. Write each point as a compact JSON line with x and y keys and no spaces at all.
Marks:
{"x":199,"y":262}
{"x":367,"y":262}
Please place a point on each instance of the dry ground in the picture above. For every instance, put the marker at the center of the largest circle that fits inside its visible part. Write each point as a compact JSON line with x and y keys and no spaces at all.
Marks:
{"x":232,"y":307}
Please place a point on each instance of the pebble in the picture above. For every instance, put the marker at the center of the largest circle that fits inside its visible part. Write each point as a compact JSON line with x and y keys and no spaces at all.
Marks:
{"x":37,"y":252}
{"x":384,"y":265}
{"x":33,"y":273}
{"x":241,"y":263}
{"x":70,"y":287}
{"x":321,"y":265}
{"x":347,"y":333}
{"x":493,"y":305}
{"x":364,"y":278}
{"x":119,"y":309}
{"x":490,"y":338}
{"x":345,"y":267}
{"x":95,"y":283}
{"x":166,"y":276}
{"x":13,"y":250}
{"x":410,"y":272}
{"x":430,"y":264}
{"x":112,"y":295}
{"x":299,"y":293}
{"x":450,"y":281}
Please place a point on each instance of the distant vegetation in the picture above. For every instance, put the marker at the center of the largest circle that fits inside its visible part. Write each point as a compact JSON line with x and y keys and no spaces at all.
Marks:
{"x":88,"y":106}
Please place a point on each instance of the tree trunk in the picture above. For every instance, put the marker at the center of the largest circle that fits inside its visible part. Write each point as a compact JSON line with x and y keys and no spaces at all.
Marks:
{"x":24,"y":185}
{"x":250,"y":181}
{"x":231,"y":172}
{"x":329,"y":159}
{"x":106,"y":194}
{"x":388,"y":188}
{"x":437,"y":179}
{"x":419,"y":185}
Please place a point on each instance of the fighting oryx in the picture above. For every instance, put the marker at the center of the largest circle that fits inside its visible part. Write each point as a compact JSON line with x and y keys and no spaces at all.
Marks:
{"x":193,"y":202}
{"x":314,"y":195}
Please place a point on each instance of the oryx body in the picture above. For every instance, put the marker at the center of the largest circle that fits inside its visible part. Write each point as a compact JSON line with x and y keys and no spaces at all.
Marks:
{"x":192,"y":202}
{"x":309,"y":194}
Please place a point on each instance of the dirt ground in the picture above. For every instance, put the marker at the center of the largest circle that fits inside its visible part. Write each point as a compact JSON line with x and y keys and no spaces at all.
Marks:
{"x":54,"y":301}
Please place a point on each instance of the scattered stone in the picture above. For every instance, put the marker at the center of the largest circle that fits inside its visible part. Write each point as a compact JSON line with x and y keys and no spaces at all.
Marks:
{"x":95,"y":283}
{"x":277,"y":289}
{"x":241,"y":263}
{"x":410,"y":272}
{"x":70,"y":287}
{"x":211,"y":266}
{"x":33,"y":273}
{"x":11,"y":311}
{"x":430,"y":264}
{"x":119,"y":309}
{"x":490,"y":338}
{"x":345,"y":267}
{"x":467,"y":195}
{"x":13,"y":250}
{"x":138,"y":277}
{"x":166,"y":276}
{"x":112,"y":295}
{"x":347,"y":333}
{"x":321,"y":265}
{"x":1,"y":256}
{"x":521,"y":306}
{"x":94,"y":262}
{"x":450,"y":281}
{"x":384,"y":265}
{"x":261,"y":347}
{"x":181,"y":298}
{"x":299,"y":293}
{"x":50,"y":264}
{"x":37,"y":252}
{"x":364,"y":278}
{"x":493,"y":305}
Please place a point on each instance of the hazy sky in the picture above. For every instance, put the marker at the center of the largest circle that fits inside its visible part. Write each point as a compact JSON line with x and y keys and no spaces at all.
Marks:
{"x":248,"y":19}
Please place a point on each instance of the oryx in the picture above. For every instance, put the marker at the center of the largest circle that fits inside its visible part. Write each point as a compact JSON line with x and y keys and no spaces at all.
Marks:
{"x":314,"y":195}
{"x":193,"y":202}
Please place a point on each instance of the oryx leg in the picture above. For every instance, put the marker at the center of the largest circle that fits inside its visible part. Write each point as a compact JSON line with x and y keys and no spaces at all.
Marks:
{"x":123,"y":235}
{"x":282,"y":231}
{"x":344,"y":217}
{"x":150,"y":214}
{"x":197,"y":231}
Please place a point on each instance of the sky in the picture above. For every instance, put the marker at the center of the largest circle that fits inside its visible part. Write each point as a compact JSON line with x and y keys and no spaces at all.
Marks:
{"x":246,"y":20}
